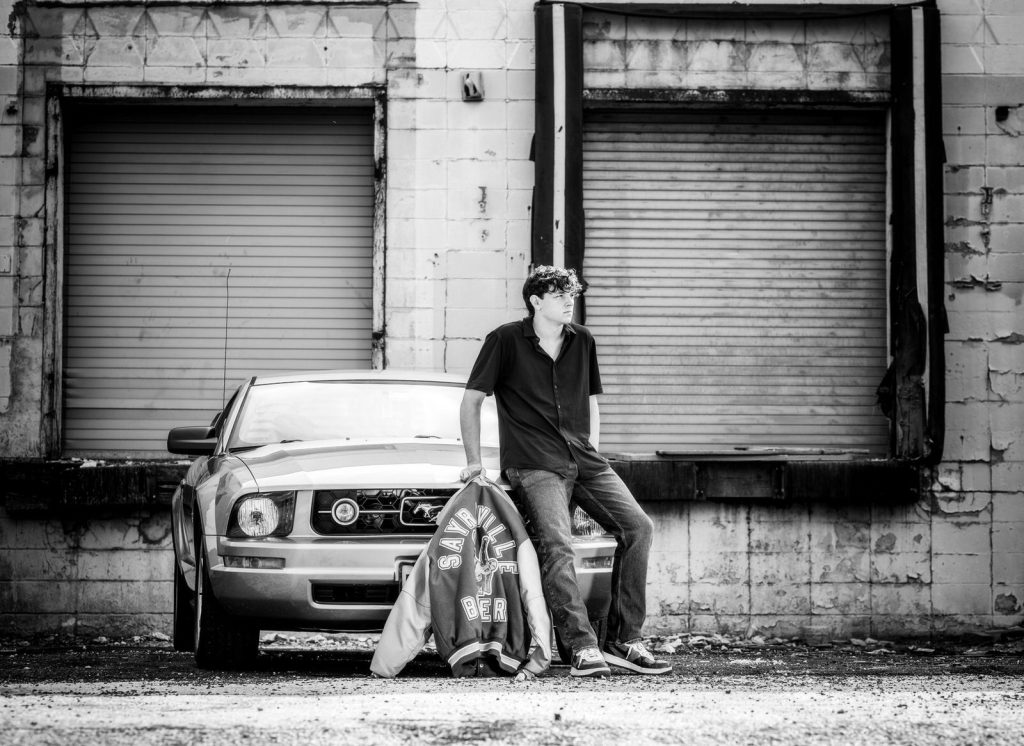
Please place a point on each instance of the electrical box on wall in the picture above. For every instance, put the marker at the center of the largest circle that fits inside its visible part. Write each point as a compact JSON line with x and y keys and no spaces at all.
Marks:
{"x":473,"y":86}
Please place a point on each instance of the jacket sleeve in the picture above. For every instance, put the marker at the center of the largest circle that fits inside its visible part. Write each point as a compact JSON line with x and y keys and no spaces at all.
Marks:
{"x":408,"y":624}
{"x":531,"y":592}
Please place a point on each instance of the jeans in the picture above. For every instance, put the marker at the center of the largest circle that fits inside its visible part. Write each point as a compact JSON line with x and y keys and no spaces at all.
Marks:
{"x":544,"y":497}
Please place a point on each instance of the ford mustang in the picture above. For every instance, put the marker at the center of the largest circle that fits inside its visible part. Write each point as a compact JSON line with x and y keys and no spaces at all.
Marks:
{"x":309,"y":500}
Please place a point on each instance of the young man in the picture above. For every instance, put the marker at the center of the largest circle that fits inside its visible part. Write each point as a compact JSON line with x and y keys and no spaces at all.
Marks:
{"x":543,"y":371}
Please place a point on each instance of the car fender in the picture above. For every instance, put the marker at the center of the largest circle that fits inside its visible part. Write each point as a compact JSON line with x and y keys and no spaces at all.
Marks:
{"x":183,"y":521}
{"x":184,"y":555}
{"x":227,"y":478}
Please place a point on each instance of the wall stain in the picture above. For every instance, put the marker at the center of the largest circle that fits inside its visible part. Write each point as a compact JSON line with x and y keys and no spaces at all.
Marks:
{"x":154,"y":530}
{"x":885,"y":543}
{"x":1006,"y":603}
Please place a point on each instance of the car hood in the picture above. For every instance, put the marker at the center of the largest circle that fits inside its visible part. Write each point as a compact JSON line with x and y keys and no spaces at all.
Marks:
{"x":348,"y":463}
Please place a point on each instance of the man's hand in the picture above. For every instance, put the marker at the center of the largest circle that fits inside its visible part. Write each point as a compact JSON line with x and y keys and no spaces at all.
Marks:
{"x":471,"y":472}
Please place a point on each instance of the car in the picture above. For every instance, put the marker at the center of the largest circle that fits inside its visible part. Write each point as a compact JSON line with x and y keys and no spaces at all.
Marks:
{"x":309,"y":500}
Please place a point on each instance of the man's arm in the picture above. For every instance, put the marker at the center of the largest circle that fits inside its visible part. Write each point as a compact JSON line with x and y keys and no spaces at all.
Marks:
{"x":469,"y":421}
{"x":595,"y":424}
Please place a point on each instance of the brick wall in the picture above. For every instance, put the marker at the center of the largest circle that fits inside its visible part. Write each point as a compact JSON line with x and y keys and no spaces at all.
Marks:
{"x":86,"y":577}
{"x":458,"y":226}
{"x":886,"y":572}
{"x":978,"y":523}
{"x":850,"y":54}
{"x":459,"y":185}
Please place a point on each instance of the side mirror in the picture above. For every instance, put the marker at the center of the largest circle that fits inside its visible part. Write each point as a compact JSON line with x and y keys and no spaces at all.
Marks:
{"x":192,"y":441}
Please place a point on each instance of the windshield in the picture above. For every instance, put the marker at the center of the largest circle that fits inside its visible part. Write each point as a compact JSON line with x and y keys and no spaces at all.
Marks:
{"x":353,"y":410}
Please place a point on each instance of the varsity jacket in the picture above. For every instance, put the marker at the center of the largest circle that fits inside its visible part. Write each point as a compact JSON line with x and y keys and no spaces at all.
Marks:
{"x":477,"y":587}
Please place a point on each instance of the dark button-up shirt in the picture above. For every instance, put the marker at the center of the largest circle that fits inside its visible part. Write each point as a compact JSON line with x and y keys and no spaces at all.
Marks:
{"x":543,"y":404}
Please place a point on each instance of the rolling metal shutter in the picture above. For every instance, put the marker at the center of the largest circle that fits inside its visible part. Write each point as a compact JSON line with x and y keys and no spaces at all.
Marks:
{"x":737,"y":270}
{"x":205,"y":245}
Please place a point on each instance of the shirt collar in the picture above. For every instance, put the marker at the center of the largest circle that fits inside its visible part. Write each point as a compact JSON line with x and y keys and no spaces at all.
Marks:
{"x":529,"y":331}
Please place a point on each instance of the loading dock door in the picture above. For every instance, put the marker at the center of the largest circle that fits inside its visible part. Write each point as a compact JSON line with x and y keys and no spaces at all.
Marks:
{"x":207,"y":244}
{"x":737,"y":270}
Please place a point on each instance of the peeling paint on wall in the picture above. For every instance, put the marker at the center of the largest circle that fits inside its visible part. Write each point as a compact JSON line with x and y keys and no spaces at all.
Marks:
{"x":1010,"y":119}
{"x":963,"y":248}
{"x":977,"y":282}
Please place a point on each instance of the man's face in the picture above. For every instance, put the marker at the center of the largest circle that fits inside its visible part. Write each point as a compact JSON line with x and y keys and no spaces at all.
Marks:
{"x":554,"y":306}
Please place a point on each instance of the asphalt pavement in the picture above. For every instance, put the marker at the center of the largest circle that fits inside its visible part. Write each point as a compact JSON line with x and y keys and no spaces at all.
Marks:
{"x":317,"y":690}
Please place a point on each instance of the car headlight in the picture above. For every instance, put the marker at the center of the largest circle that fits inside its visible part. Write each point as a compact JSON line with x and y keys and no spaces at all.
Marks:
{"x":583,"y":526}
{"x":262,"y":514}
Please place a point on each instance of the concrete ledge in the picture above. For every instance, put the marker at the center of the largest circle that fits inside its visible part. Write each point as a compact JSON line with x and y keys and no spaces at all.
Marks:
{"x":799,"y":481}
{"x":36,"y":486}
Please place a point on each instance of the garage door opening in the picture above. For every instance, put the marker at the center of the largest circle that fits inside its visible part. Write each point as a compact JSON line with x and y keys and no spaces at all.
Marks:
{"x":737,"y":270}
{"x":205,"y":244}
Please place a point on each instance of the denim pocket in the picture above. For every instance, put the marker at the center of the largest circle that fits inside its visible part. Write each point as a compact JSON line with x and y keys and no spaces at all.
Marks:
{"x":525,"y":478}
{"x":520,"y":479}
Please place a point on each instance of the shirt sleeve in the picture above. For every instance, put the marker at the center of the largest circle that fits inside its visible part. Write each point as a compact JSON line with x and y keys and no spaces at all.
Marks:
{"x":595,"y":373}
{"x":408,"y":625}
{"x":487,"y":368}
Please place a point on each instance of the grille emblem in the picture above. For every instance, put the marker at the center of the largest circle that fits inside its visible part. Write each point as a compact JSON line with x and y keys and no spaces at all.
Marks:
{"x":427,"y":511}
{"x":422,"y":510}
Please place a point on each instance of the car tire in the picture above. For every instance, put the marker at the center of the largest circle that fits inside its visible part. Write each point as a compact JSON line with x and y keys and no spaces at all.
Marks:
{"x":184,"y":631}
{"x":222,"y":640}
{"x":565,"y":652}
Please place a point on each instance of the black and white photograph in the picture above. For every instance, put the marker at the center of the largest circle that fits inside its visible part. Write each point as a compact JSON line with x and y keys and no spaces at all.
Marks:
{"x":512,"y":372}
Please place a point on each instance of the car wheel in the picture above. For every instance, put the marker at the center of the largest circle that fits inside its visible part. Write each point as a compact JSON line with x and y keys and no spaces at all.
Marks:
{"x":184,"y":633}
{"x":222,"y":640}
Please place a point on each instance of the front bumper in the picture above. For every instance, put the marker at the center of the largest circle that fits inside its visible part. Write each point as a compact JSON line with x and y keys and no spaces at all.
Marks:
{"x":348,"y":585}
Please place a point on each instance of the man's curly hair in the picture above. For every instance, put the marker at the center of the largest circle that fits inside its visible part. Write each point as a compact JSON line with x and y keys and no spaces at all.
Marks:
{"x":546,"y":279}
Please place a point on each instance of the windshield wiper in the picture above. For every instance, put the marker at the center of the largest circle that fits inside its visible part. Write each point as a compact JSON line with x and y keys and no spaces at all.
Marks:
{"x":242,"y":449}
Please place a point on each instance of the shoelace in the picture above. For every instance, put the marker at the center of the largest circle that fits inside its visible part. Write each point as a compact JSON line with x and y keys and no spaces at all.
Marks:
{"x":639,"y":650}
{"x":591,"y":654}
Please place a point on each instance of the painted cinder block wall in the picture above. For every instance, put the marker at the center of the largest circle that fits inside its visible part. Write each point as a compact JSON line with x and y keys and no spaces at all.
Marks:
{"x":458,"y":233}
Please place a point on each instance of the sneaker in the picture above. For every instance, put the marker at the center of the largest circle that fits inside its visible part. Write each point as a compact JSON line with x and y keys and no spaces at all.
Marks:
{"x":589,"y":662}
{"x":635,"y":657}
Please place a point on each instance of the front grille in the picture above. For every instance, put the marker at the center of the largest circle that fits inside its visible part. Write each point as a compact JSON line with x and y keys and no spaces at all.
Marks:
{"x":381,"y":511}
{"x":355,"y":593}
